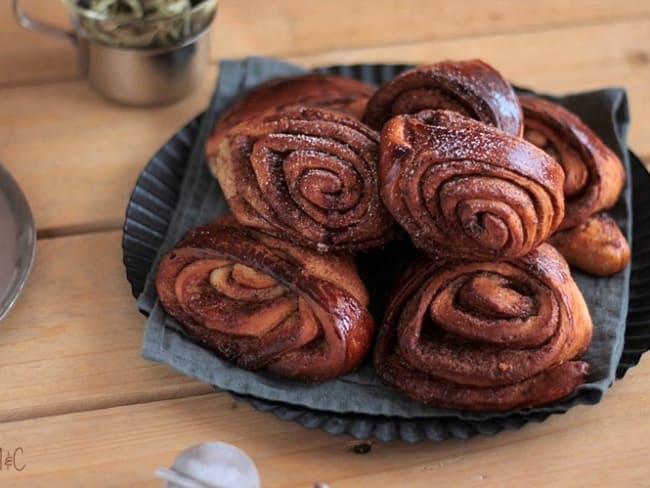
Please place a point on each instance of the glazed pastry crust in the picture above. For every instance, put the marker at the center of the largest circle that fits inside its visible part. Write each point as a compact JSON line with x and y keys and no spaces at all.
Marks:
{"x":485,"y":335}
{"x":596,"y":246}
{"x":337,"y":93}
{"x":463,"y":189}
{"x":264,"y":303}
{"x":594,"y":174}
{"x":307,"y":175}
{"x":472,"y":88}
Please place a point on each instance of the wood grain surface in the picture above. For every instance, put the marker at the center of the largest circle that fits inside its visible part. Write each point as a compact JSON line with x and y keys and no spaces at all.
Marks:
{"x":73,"y":340}
{"x":291,"y":27}
{"x":81,"y":404}
{"x":131,"y":442}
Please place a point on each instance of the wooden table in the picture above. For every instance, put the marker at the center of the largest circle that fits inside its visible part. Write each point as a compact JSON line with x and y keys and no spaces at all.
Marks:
{"x":81,"y":408}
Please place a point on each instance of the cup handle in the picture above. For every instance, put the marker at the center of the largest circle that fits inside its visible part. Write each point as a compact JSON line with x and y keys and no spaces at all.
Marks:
{"x":38,"y":26}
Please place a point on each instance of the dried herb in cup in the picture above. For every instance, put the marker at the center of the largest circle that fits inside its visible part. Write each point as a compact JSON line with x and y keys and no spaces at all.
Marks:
{"x":143,"y":23}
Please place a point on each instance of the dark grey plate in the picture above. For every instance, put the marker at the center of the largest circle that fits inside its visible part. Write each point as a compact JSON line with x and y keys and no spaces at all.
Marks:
{"x":17,"y":241}
{"x":154,"y":201}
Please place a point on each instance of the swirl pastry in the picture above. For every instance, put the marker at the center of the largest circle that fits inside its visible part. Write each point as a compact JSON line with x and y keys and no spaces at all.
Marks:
{"x":471,"y":88}
{"x":594,"y":174}
{"x":308,"y":175}
{"x":596,"y":246}
{"x":463,"y":189}
{"x":263,"y":303}
{"x":485,"y":335}
{"x":317,"y":90}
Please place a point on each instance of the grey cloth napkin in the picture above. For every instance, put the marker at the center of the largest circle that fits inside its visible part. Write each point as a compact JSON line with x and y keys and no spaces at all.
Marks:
{"x":360,"y":392}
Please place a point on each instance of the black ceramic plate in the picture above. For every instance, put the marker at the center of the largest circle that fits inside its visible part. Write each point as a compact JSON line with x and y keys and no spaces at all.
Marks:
{"x":150,"y":210}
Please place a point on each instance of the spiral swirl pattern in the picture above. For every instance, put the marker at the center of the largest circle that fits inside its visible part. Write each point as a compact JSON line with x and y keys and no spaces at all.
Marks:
{"x":308,"y":175}
{"x":263,"y":303}
{"x":463,"y":189}
{"x":486,"y":335}
{"x":472,"y":88}
{"x":594,"y":174}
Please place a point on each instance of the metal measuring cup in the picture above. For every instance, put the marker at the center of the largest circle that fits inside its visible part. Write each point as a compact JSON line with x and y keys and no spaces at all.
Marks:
{"x":134,"y":75}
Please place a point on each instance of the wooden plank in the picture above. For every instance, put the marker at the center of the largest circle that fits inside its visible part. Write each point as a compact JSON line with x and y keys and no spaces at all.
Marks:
{"x":73,"y":340}
{"x":33,"y":57}
{"x":285,"y":27}
{"x":601,"y":446}
{"x":310,"y":26}
{"x":40,"y":122}
{"x":77,"y":156}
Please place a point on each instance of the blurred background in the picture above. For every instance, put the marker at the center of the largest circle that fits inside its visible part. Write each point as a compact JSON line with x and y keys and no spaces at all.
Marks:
{"x":549,"y":45}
